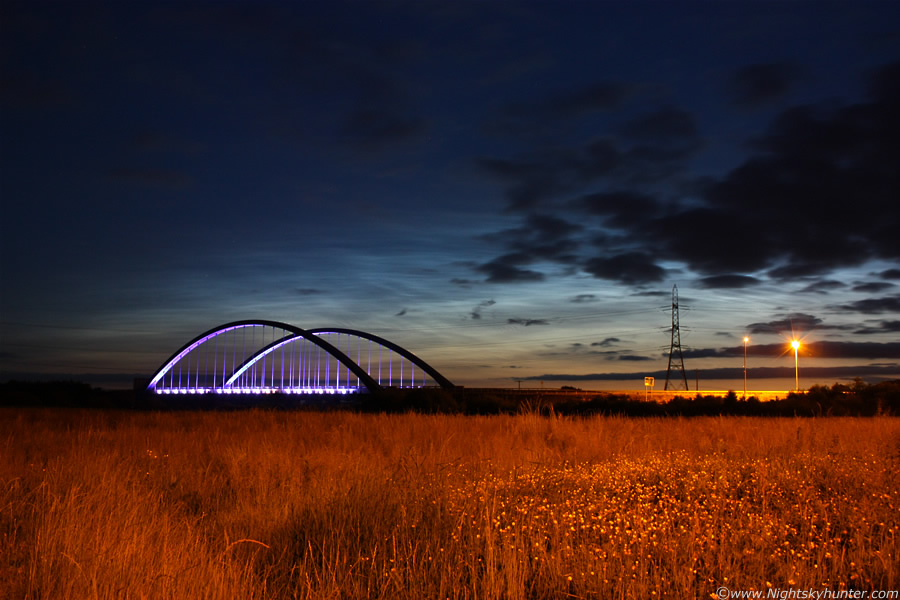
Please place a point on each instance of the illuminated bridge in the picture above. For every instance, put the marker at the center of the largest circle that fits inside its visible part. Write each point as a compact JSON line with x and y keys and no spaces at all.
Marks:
{"x":265,"y":357}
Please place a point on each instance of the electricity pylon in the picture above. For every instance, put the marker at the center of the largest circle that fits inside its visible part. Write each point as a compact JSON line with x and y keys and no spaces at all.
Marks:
{"x":676,"y":343}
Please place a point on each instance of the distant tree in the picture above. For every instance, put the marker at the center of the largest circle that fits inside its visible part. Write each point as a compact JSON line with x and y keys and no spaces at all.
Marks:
{"x":886,"y":397}
{"x":730,"y":401}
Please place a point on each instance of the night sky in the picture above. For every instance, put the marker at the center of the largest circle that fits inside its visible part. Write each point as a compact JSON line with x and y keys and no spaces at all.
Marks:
{"x":508,"y":189}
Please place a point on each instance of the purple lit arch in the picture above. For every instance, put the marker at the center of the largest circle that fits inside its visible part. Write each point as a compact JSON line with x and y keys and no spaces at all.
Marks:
{"x":264,"y":356}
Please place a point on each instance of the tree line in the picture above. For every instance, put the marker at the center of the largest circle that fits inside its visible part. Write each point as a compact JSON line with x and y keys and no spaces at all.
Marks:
{"x":855,"y":399}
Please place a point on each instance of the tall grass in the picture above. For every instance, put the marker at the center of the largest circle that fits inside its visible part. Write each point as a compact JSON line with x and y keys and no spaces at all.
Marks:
{"x":342,"y":505}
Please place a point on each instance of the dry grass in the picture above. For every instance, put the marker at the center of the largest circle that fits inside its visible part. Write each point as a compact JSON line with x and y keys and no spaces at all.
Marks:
{"x":341,"y":505}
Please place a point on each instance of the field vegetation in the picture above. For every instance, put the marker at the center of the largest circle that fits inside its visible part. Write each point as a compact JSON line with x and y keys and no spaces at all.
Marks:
{"x":313,"y":505}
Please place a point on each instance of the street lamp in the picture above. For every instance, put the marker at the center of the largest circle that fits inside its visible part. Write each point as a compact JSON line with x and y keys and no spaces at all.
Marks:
{"x":746,"y":339}
{"x":795,"y":344}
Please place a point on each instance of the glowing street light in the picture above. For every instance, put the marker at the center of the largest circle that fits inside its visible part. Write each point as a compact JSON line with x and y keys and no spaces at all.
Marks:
{"x":795,"y":345}
{"x":746,"y":339}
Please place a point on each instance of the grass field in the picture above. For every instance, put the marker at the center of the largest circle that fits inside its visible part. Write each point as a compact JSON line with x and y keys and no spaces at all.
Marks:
{"x":255,"y":504}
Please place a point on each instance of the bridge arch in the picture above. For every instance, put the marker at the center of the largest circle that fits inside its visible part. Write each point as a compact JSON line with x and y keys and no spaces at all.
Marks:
{"x":228,"y":359}
{"x":438,"y":378}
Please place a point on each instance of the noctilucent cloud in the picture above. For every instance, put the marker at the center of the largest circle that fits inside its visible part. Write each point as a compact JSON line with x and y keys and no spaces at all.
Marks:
{"x":508,"y":189}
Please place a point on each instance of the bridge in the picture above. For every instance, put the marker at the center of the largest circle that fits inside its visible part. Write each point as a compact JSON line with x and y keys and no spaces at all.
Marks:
{"x":266,"y":357}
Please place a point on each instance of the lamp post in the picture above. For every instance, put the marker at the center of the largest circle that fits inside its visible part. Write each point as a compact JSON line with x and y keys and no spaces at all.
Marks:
{"x":746,"y":339}
{"x":795,"y":345}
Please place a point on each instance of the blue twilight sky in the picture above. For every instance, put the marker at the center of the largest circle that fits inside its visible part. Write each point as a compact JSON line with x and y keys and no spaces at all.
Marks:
{"x":508,"y":189}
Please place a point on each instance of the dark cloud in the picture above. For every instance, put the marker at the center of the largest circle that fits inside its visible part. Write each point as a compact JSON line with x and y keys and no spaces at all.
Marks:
{"x":658,"y":145}
{"x":605,"y":353}
{"x":652,"y":148}
{"x":584,"y":298}
{"x":620,"y":209}
{"x":507,"y":269}
{"x":307,"y":291}
{"x":705,"y":352}
{"x":797,"y":323}
{"x":606,"y":341}
{"x":872,"y":287}
{"x":792,"y":272}
{"x":768,"y":212}
{"x":882,"y":327}
{"x":809,"y":159}
{"x":728,"y":281}
{"x":550,"y":228}
{"x":561,"y":251}
{"x":873,"y":306}
{"x":653,"y":294}
{"x":630,"y":268}
{"x":527,"y":322}
{"x":890,"y":274}
{"x":813,"y":160}
{"x":823,"y":287}
{"x":530,"y":180}
{"x":476,"y":312}
{"x":722,"y":248}
{"x":541,"y":237}
{"x":755,"y":85}
{"x":633,"y":358}
{"x":401,"y":313}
